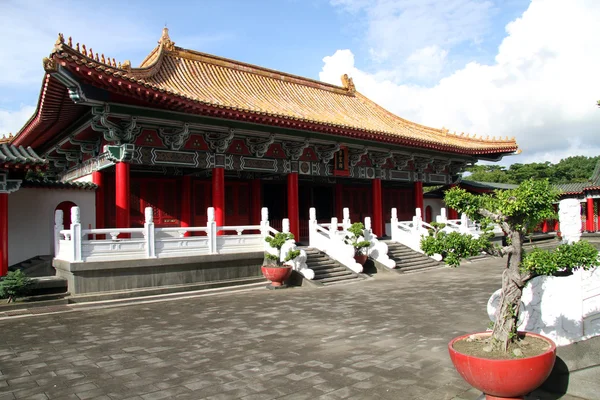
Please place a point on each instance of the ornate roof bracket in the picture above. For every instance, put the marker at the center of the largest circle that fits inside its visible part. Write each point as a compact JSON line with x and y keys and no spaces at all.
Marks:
{"x":456,"y":167}
{"x":58,"y":162}
{"x":260,"y":145}
{"x":294,"y":150}
{"x":70,"y":155}
{"x":76,"y":92}
{"x":379,"y":158}
{"x":9,"y":185}
{"x":175,"y":139}
{"x":87,"y":147}
{"x":327,"y":152}
{"x":401,"y":160}
{"x":219,"y":142}
{"x":355,"y":155}
{"x":439,"y":165}
{"x":125,"y":132}
{"x":421,"y":163}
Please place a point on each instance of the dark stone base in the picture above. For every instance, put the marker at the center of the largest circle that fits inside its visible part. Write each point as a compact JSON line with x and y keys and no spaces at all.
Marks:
{"x":271,"y":287}
{"x":106,"y":276}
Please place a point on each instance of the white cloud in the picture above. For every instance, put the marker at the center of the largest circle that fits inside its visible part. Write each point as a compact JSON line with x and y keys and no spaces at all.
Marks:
{"x":12,"y":121}
{"x":401,"y":32}
{"x":542,"y":88}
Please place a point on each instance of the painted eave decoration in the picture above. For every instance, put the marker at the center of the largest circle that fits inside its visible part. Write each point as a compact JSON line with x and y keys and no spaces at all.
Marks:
{"x":188,"y":81}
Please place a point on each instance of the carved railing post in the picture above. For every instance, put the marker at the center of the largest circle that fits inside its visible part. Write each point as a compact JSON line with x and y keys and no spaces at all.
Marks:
{"x":285,"y":225}
{"x":264,"y":222}
{"x":443,"y":217}
{"x":333,"y":229}
{"x":149,"y":233}
{"x":394,"y":225}
{"x":211,"y":230}
{"x":58,"y":226}
{"x":76,"y":233}
{"x":346,"y":220}
{"x":312,"y":226}
{"x":464,"y":223}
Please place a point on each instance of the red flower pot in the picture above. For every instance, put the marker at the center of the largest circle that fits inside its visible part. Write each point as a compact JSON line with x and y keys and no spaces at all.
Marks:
{"x":361,"y":258}
{"x":277,"y":275}
{"x":504,"y":379}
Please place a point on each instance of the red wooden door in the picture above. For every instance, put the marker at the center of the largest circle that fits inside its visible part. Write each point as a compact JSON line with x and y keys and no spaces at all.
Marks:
{"x":161,"y":195}
{"x":237,"y":203}
{"x":358,"y":200}
{"x":201,"y":198}
{"x":401,"y":199}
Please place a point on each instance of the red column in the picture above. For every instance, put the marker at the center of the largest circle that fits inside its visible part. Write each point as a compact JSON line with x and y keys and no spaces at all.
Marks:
{"x":590,"y":215}
{"x":338,"y":201}
{"x":218,"y":195}
{"x":122,"y":196}
{"x":3,"y":234}
{"x":98,"y":179}
{"x":598,"y":220}
{"x":293,"y":208}
{"x":256,"y":187}
{"x":377,"y":223}
{"x":556,"y":225}
{"x":186,"y":202}
{"x":452,"y":213}
{"x":418,"y":191}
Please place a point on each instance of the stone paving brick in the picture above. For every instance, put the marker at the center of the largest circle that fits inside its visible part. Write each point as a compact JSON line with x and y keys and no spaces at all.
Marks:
{"x":384,"y":338}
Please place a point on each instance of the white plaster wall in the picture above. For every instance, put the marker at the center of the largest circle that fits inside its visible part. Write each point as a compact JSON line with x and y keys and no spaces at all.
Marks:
{"x":31,"y":219}
{"x":85,"y":178}
{"x":436,"y":207}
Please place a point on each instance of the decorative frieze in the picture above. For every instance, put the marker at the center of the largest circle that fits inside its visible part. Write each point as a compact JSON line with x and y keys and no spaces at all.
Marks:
{"x":259,"y":145}
{"x":326,"y":152}
{"x":421,"y":163}
{"x":168,"y":157}
{"x":125,"y":131}
{"x":175,"y":139}
{"x":378,"y":158}
{"x":294,"y":150}
{"x":219,"y":141}
{"x":355,"y":155}
{"x":439,"y":165}
{"x":401,"y":160}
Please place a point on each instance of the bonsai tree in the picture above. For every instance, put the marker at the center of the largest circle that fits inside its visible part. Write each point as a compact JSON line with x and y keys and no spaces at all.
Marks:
{"x":356,"y":233}
{"x":517,"y":212}
{"x":14,"y":284}
{"x":276,"y":242}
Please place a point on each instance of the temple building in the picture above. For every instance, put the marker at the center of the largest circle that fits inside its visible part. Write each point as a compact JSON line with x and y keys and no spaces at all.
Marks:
{"x":187,"y":130}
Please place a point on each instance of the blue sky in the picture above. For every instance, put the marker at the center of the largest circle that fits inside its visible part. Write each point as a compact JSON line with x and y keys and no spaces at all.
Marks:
{"x":404,"y":54}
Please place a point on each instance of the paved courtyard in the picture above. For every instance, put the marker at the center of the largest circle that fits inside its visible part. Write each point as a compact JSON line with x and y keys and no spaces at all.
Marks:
{"x":379,"y":339}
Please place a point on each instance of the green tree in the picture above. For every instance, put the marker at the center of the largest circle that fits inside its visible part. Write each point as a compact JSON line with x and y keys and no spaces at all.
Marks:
{"x":516,"y":211}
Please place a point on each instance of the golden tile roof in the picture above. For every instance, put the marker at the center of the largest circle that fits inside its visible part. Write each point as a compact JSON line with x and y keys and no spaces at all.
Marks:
{"x":235,"y":85}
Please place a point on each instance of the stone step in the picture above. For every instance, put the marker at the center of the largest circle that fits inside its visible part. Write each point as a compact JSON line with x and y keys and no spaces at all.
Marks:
{"x":338,"y":279}
{"x":328,"y":264}
{"x":334,"y":268}
{"x":417,"y":263}
{"x":408,"y":270}
{"x":405,"y":256}
{"x":323,"y":275}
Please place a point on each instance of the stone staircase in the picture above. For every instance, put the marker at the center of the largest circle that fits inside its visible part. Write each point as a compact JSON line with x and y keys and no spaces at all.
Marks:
{"x":37,"y":266}
{"x":408,"y":260}
{"x":328,"y":271}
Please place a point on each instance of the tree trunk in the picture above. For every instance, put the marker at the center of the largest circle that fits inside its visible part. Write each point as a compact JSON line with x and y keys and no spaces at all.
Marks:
{"x":505,"y":326}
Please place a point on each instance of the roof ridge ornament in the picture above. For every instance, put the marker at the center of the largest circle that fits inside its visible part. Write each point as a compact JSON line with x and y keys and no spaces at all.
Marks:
{"x":348,"y":84}
{"x":165,"y":41}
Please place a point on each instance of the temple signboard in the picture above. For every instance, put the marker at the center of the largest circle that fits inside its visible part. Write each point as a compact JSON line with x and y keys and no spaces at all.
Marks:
{"x":340,"y":162}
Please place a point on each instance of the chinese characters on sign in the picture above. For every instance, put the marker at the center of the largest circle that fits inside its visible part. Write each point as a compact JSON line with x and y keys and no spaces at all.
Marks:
{"x":340,"y":162}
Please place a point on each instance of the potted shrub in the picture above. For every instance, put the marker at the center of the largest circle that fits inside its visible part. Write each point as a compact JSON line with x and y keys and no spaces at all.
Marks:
{"x":356,"y":231}
{"x":500,"y":363}
{"x":14,"y":284}
{"x":275,"y":269}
